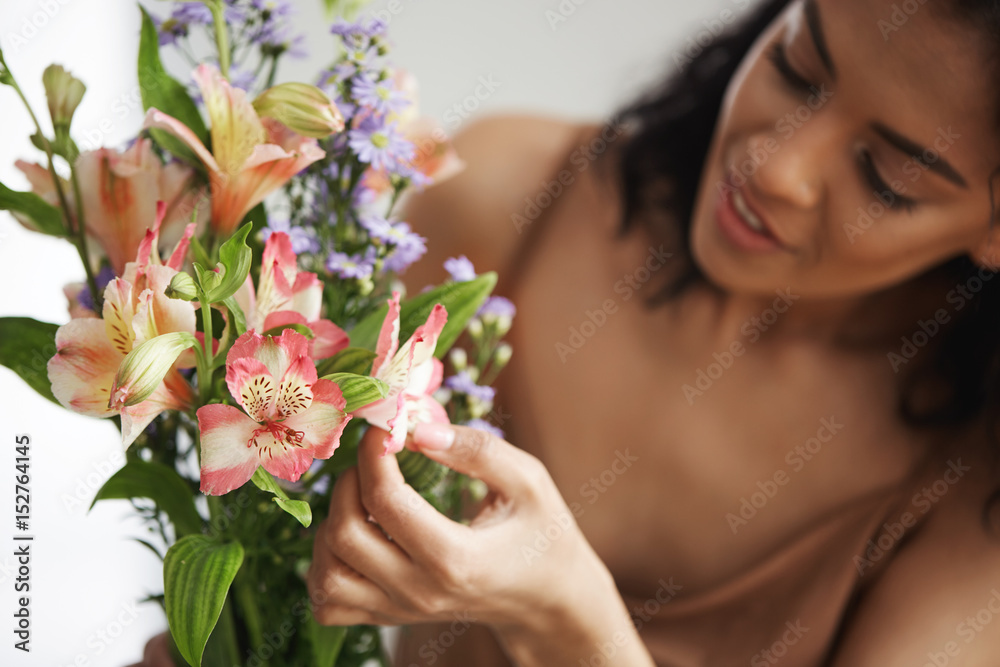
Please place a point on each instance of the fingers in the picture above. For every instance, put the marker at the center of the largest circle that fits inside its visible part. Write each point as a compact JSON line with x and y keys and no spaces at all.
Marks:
{"x":341,"y":596}
{"x":349,"y":535}
{"x":157,"y":652}
{"x":502,"y":466}
{"x":422,"y":532}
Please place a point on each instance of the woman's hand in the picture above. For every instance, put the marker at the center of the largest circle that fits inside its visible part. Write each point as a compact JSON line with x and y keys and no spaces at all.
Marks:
{"x":385,"y":556}
{"x":157,"y":653}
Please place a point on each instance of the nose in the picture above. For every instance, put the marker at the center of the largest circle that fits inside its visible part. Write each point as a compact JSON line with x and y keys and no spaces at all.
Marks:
{"x":793,"y":170}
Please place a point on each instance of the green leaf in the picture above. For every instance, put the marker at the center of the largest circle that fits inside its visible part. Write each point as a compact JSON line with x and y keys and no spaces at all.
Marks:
{"x":159,"y":483}
{"x":352,"y":360}
{"x":46,"y":217}
{"x":359,"y":390}
{"x":297,"y":508}
{"x":327,"y":640}
{"x":160,"y":90}
{"x":462,"y":301}
{"x":26,"y":345}
{"x":235,"y":257}
{"x":197,"y":573}
{"x":236,"y":315}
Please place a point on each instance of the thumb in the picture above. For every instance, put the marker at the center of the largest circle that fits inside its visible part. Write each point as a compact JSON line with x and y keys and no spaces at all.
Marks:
{"x":476,"y":453}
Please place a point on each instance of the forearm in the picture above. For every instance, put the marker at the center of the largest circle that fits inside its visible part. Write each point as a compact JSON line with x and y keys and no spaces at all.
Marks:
{"x":576,"y":633}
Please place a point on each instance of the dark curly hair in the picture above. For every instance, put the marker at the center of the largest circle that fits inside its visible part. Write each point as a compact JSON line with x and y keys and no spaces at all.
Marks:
{"x":658,"y":168}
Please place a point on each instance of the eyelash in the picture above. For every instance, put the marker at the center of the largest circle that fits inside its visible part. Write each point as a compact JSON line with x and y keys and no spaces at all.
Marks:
{"x":797,"y":83}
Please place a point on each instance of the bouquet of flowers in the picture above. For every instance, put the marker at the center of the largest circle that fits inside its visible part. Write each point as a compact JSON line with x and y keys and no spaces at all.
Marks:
{"x":243,"y":349}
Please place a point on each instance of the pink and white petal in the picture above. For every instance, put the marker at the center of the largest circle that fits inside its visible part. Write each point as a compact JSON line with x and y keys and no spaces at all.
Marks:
{"x":426,"y":378}
{"x":176,"y":260}
{"x":307,"y":295}
{"x":295,"y":393}
{"x":381,"y":412}
{"x":118,"y":314}
{"x":253,"y":386}
{"x":425,"y":338}
{"x":228,"y":460}
{"x":283,"y":460}
{"x":236,"y":128}
{"x":159,"y":120}
{"x":144,"y":322}
{"x":398,"y":427}
{"x":388,"y":337}
{"x":282,"y":318}
{"x":83,"y":369}
{"x":323,"y":423}
{"x":278,"y":353}
{"x":246,"y":298}
{"x":328,"y":339}
{"x":424,"y":409}
{"x":279,"y":257}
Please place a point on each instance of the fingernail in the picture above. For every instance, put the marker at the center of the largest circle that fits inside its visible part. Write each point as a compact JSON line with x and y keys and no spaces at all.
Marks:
{"x":434,"y":436}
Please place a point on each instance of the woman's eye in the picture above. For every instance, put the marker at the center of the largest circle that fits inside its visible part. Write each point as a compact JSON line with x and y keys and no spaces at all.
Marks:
{"x":796,"y":81}
{"x":882,"y":189}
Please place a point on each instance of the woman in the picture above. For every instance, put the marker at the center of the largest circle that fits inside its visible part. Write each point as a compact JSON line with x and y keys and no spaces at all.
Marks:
{"x":756,"y":366}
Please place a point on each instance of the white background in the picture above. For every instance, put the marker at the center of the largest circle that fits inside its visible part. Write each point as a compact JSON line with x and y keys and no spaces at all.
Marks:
{"x":86,"y":573}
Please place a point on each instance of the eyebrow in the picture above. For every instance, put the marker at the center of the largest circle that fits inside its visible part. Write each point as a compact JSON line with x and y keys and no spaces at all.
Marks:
{"x":917,"y":153}
{"x":908,"y":146}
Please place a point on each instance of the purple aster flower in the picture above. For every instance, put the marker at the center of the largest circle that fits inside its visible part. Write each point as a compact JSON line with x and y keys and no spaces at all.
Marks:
{"x":460,"y":269}
{"x":383,"y":147}
{"x":352,"y":266}
{"x":373,"y":28}
{"x":192,"y":13}
{"x":303,"y":238}
{"x":170,"y":30}
{"x":464,"y":384}
{"x":378,"y":95}
{"x":484,"y":425}
{"x":497,"y":306}
{"x":85,"y":298}
{"x":409,"y":248}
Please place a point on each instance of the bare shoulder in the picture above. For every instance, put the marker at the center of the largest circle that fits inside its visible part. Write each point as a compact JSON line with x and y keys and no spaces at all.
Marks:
{"x":507,"y":158}
{"x":938,"y":602}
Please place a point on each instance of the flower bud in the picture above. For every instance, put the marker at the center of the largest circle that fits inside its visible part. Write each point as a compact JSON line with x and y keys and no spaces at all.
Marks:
{"x":64,"y":92}
{"x":475,"y":328}
{"x":502,"y":355}
{"x":303,"y":108}
{"x":459,"y":358}
{"x":144,"y":368}
{"x":182,"y":287}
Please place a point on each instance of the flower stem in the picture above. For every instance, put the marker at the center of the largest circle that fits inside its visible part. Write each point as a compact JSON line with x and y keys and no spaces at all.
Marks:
{"x":71,"y":225}
{"x":207,"y":355}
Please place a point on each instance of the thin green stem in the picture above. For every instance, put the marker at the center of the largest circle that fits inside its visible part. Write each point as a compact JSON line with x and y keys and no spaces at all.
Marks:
{"x":76,"y":226}
{"x":205,"y":380}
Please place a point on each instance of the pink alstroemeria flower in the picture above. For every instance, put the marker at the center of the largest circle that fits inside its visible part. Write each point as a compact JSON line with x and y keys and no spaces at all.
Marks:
{"x":285,"y":295}
{"x":289,"y":416}
{"x":251,"y":157}
{"x":412,"y":373}
{"x":120,"y":192}
{"x":89,"y":351}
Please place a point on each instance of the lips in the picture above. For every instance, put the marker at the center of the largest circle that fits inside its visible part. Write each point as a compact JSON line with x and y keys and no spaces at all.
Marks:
{"x":742,"y":223}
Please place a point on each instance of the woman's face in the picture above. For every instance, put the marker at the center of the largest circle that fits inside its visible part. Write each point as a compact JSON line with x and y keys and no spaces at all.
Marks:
{"x":863,"y":139}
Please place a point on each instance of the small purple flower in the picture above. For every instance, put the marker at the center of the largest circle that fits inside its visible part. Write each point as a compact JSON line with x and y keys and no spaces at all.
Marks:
{"x":85,"y":298}
{"x":497,"y":306}
{"x":460,"y":269}
{"x":383,"y":147}
{"x":464,"y":384}
{"x":378,"y":95}
{"x":352,"y":266}
{"x":484,"y":425}
{"x":345,"y":29}
{"x":192,"y":13}
{"x":303,"y":238}
{"x":411,"y":248}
